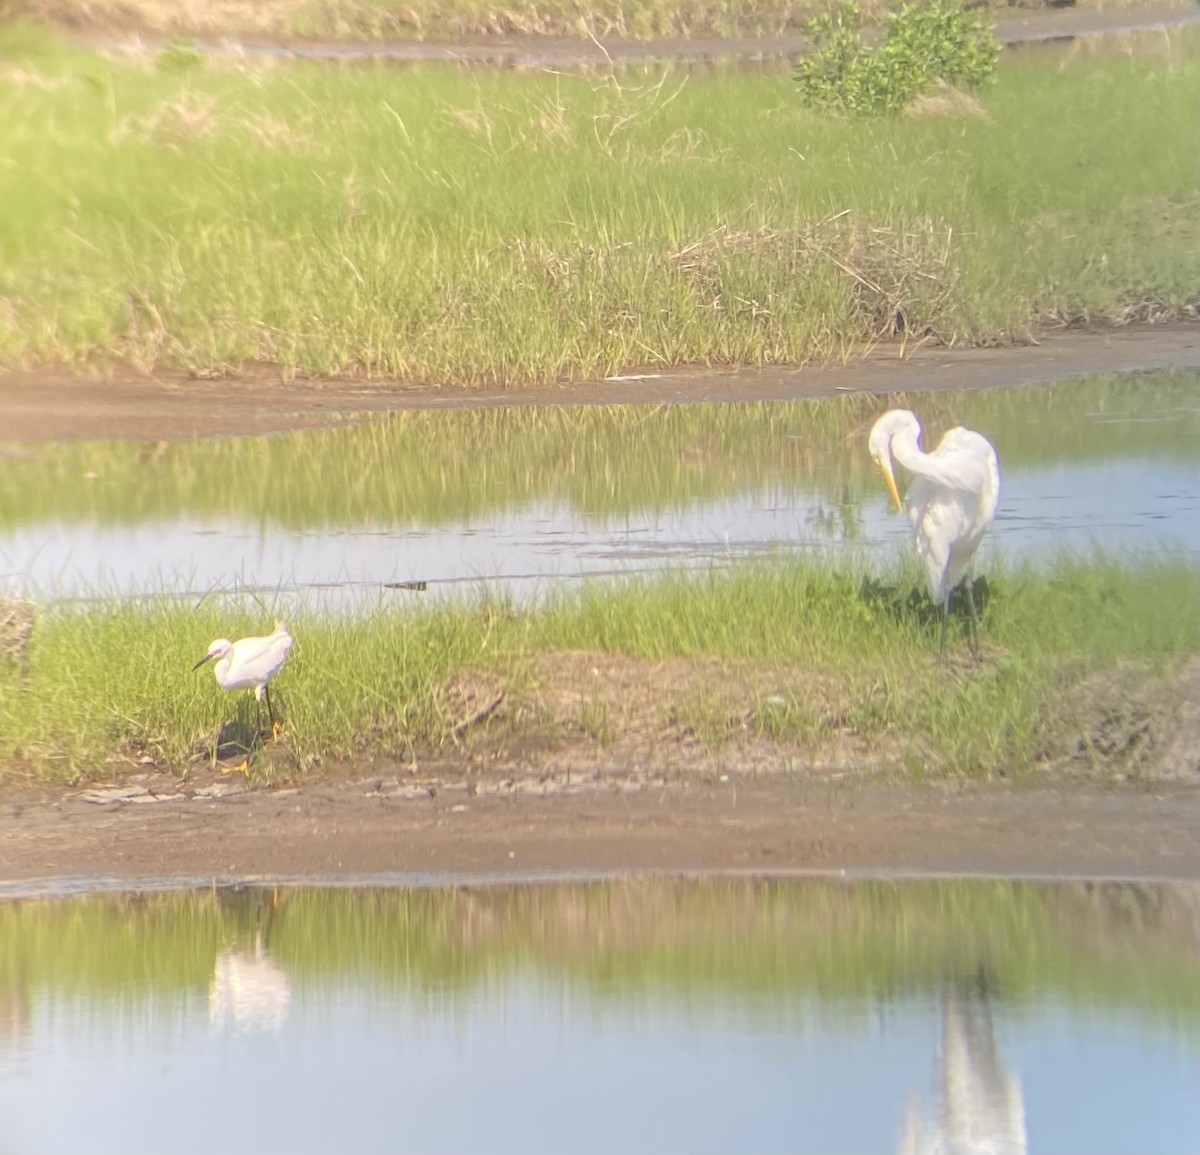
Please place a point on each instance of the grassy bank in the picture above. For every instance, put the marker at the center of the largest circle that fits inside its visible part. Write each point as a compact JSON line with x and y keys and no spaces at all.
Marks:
{"x":1081,"y":671}
{"x":483,"y":227}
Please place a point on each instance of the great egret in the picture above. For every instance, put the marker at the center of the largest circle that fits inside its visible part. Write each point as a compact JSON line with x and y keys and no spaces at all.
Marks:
{"x":250,"y":663}
{"x":951,"y":502}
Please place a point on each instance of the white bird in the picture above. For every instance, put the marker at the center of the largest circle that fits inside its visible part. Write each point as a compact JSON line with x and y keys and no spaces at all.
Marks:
{"x":951,"y":502}
{"x":250,"y":663}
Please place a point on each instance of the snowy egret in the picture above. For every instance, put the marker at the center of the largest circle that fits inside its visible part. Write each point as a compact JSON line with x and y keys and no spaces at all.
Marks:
{"x":250,"y":663}
{"x":951,"y":502}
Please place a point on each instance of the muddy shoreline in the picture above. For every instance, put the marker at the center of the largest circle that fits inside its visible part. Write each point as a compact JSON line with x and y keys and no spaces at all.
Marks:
{"x":348,"y":831}
{"x":50,"y":405}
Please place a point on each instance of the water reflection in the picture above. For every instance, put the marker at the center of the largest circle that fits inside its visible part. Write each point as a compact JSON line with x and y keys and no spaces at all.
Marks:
{"x":979,"y":1105}
{"x":521,"y":499}
{"x":249,"y":991}
{"x":640,"y":1014}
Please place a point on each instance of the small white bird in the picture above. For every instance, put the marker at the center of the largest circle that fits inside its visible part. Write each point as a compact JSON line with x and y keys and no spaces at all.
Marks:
{"x":250,"y":663}
{"x":951,"y":502}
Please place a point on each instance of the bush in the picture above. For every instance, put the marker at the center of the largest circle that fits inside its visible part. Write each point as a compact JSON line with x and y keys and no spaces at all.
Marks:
{"x":923,"y":44}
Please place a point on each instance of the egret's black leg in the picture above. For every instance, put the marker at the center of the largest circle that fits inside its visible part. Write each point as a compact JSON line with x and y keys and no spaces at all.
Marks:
{"x":945,"y":615}
{"x":974,"y":616}
{"x":276,"y":728}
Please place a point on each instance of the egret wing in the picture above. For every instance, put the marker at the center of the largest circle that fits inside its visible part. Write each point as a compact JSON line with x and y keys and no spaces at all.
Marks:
{"x":940,"y":520}
{"x":257,"y":660}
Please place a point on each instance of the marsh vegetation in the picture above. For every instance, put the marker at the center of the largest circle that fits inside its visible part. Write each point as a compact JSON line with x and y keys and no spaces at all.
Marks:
{"x":465,"y":227}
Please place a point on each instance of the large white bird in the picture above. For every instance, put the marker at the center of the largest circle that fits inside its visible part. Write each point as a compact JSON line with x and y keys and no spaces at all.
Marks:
{"x":250,"y":663}
{"x":951,"y":501}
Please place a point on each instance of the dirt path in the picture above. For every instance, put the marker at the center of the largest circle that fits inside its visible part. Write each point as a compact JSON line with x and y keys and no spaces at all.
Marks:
{"x":771,"y":823}
{"x":50,"y":406}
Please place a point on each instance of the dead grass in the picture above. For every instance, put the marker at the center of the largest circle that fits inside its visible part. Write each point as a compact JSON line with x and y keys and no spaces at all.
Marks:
{"x":1128,"y":723}
{"x":17,"y":619}
{"x":175,"y":123}
{"x":899,"y":279}
{"x":946,"y":102}
{"x":590,"y":712}
{"x":594,"y":712}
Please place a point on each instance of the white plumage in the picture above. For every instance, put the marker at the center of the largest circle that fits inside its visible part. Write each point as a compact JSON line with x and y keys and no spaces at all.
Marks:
{"x":951,"y":501}
{"x":250,"y":663}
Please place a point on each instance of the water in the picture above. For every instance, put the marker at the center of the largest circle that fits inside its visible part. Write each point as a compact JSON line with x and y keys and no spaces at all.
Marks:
{"x":545,"y":52}
{"x":639,"y":1014}
{"x":522,"y":500}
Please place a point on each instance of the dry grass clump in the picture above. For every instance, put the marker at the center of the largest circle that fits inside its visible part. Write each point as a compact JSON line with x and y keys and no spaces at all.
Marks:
{"x":947,"y":102}
{"x":1130,"y":722}
{"x":17,"y":620}
{"x":897,"y":278}
{"x":175,"y":123}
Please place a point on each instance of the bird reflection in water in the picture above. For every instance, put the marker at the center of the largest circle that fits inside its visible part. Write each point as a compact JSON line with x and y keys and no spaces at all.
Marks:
{"x":980,"y":1107}
{"x":249,"y":991}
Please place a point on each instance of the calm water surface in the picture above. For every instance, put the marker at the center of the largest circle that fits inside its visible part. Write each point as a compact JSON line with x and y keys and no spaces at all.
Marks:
{"x":635,"y":1015}
{"x":520,"y":500}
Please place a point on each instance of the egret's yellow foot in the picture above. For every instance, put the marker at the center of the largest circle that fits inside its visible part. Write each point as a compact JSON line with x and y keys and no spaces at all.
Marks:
{"x":277,"y":731}
{"x":243,"y":768}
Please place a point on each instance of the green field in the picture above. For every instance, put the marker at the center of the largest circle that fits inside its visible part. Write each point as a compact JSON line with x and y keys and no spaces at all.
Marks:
{"x":465,"y":227}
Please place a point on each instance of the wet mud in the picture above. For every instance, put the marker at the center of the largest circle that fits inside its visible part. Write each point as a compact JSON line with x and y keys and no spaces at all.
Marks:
{"x":46,"y":405}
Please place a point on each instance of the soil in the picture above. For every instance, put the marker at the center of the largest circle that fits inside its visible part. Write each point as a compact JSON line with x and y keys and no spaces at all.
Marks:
{"x":767,"y":824}
{"x":632,"y":799}
{"x":46,"y":405}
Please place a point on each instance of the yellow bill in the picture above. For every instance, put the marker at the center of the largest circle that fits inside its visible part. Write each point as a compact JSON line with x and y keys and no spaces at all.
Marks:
{"x":886,"y":468}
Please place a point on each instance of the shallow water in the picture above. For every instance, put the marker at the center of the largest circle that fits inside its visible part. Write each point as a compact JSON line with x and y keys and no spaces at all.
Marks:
{"x":519,"y":500}
{"x":772,"y":51}
{"x":638,"y":1014}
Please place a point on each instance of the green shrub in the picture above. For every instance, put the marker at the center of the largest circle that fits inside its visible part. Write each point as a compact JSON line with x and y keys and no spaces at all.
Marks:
{"x":923,"y":44}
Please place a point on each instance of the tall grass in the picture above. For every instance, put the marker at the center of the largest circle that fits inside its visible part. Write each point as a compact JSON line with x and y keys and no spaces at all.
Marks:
{"x":484,"y":227}
{"x":831,"y":654}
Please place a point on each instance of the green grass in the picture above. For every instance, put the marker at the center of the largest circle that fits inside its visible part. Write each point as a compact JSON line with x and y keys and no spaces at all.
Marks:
{"x":471,"y":227}
{"x":110,"y":685}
